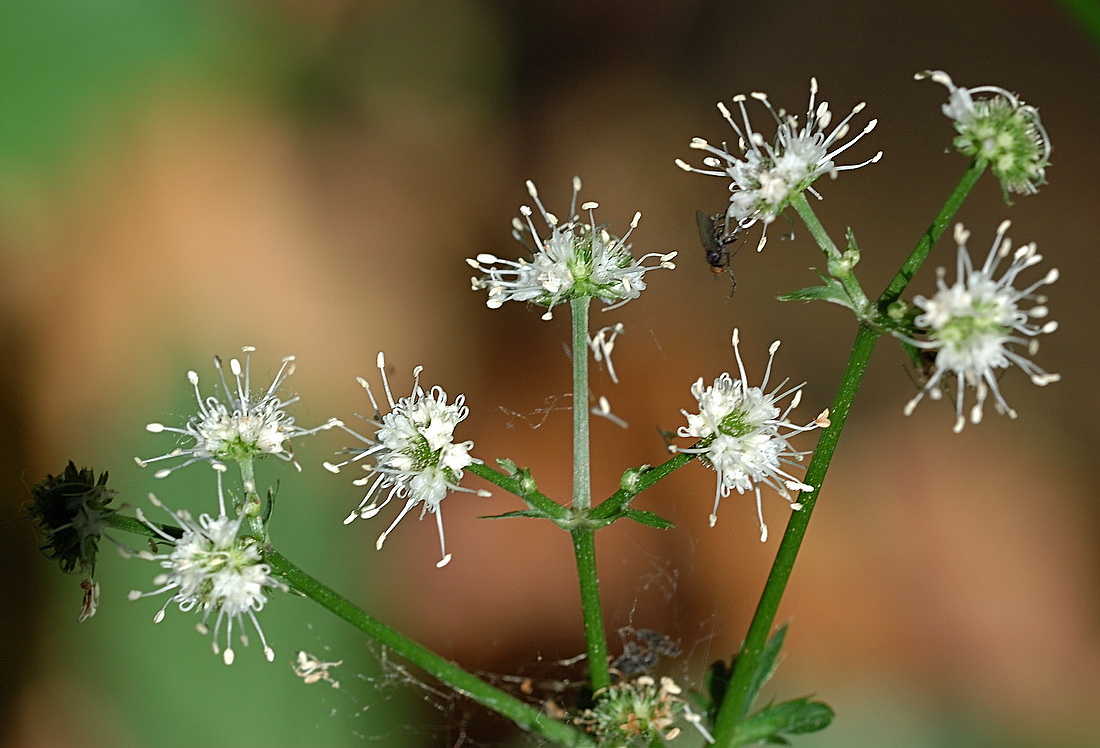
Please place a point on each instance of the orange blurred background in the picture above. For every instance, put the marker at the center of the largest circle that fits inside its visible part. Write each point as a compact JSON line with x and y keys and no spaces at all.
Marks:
{"x":181,"y":178}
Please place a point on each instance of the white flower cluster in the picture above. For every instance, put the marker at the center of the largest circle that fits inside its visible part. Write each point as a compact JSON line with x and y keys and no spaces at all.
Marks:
{"x":974,"y":326}
{"x":996,"y":126}
{"x":239,"y":426}
{"x":211,"y":568}
{"x":765,"y":175}
{"x":574,"y":259}
{"x":413,"y":454}
{"x":743,"y":435}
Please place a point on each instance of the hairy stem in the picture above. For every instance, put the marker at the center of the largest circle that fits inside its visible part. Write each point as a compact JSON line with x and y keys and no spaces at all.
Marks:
{"x":584,"y":546}
{"x":584,"y":536}
{"x":582,"y":484}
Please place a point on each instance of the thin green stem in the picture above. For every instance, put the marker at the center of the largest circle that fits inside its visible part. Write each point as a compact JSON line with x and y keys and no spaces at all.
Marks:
{"x":735,"y":704}
{"x":465,"y":683}
{"x":582,"y":484}
{"x":531,"y":496}
{"x":137,"y":527}
{"x":584,"y":546}
{"x":935,"y":231}
{"x":817,"y":231}
{"x":251,"y":497}
{"x":584,"y":536}
{"x":645,"y":477}
{"x":832,"y":254}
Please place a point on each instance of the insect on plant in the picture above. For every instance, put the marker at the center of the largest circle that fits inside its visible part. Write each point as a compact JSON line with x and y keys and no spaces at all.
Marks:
{"x":717,"y":238}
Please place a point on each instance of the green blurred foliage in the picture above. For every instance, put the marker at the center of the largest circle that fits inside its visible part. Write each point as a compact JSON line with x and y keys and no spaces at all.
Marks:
{"x":71,"y":71}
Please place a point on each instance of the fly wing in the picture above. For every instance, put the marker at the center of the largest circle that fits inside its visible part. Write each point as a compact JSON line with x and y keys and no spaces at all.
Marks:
{"x":706,"y":231}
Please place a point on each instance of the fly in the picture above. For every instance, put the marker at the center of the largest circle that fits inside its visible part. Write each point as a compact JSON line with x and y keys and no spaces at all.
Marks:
{"x":717,"y":238}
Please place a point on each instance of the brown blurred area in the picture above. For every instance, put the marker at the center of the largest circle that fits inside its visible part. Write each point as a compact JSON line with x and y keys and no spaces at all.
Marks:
{"x":308,"y":177}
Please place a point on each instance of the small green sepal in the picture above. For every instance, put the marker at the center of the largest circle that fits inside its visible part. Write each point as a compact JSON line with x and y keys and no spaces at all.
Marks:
{"x":508,"y":466}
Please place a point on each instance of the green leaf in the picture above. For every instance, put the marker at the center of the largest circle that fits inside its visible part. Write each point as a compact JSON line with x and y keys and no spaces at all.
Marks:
{"x":651,"y":519}
{"x":765,"y":668}
{"x":832,"y":292}
{"x":793,"y":717}
{"x":508,"y":466}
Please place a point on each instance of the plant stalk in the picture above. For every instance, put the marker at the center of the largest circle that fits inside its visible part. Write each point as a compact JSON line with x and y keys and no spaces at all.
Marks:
{"x":584,"y":535}
{"x":735,"y":706}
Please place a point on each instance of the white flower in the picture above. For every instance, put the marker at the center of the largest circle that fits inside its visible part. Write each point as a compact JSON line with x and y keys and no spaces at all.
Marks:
{"x":240,"y":426}
{"x":764,"y":176}
{"x":575,"y":259}
{"x":743,"y":435}
{"x":974,"y":326}
{"x":999,"y":129}
{"x":210,"y":568}
{"x":413,"y":452}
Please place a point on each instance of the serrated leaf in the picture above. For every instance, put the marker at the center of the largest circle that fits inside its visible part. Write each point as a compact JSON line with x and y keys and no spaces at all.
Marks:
{"x":794,"y":717}
{"x":650,"y":519}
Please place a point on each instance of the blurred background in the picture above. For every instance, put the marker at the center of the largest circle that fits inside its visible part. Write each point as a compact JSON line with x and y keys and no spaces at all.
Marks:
{"x":179,"y":179}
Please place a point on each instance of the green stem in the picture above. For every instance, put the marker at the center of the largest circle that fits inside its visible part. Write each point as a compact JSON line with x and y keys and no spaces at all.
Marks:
{"x":465,"y":683}
{"x":252,"y":508}
{"x":735,"y":704}
{"x":584,"y":547}
{"x":137,"y":527}
{"x":832,"y":254}
{"x":935,"y":231}
{"x":645,"y":477}
{"x":582,"y":485}
{"x":531,"y":496}
{"x":584,"y":535}
{"x":817,"y":231}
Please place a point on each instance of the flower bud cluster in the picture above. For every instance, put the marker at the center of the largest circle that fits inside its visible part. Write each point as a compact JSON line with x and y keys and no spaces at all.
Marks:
{"x":997,"y":127}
